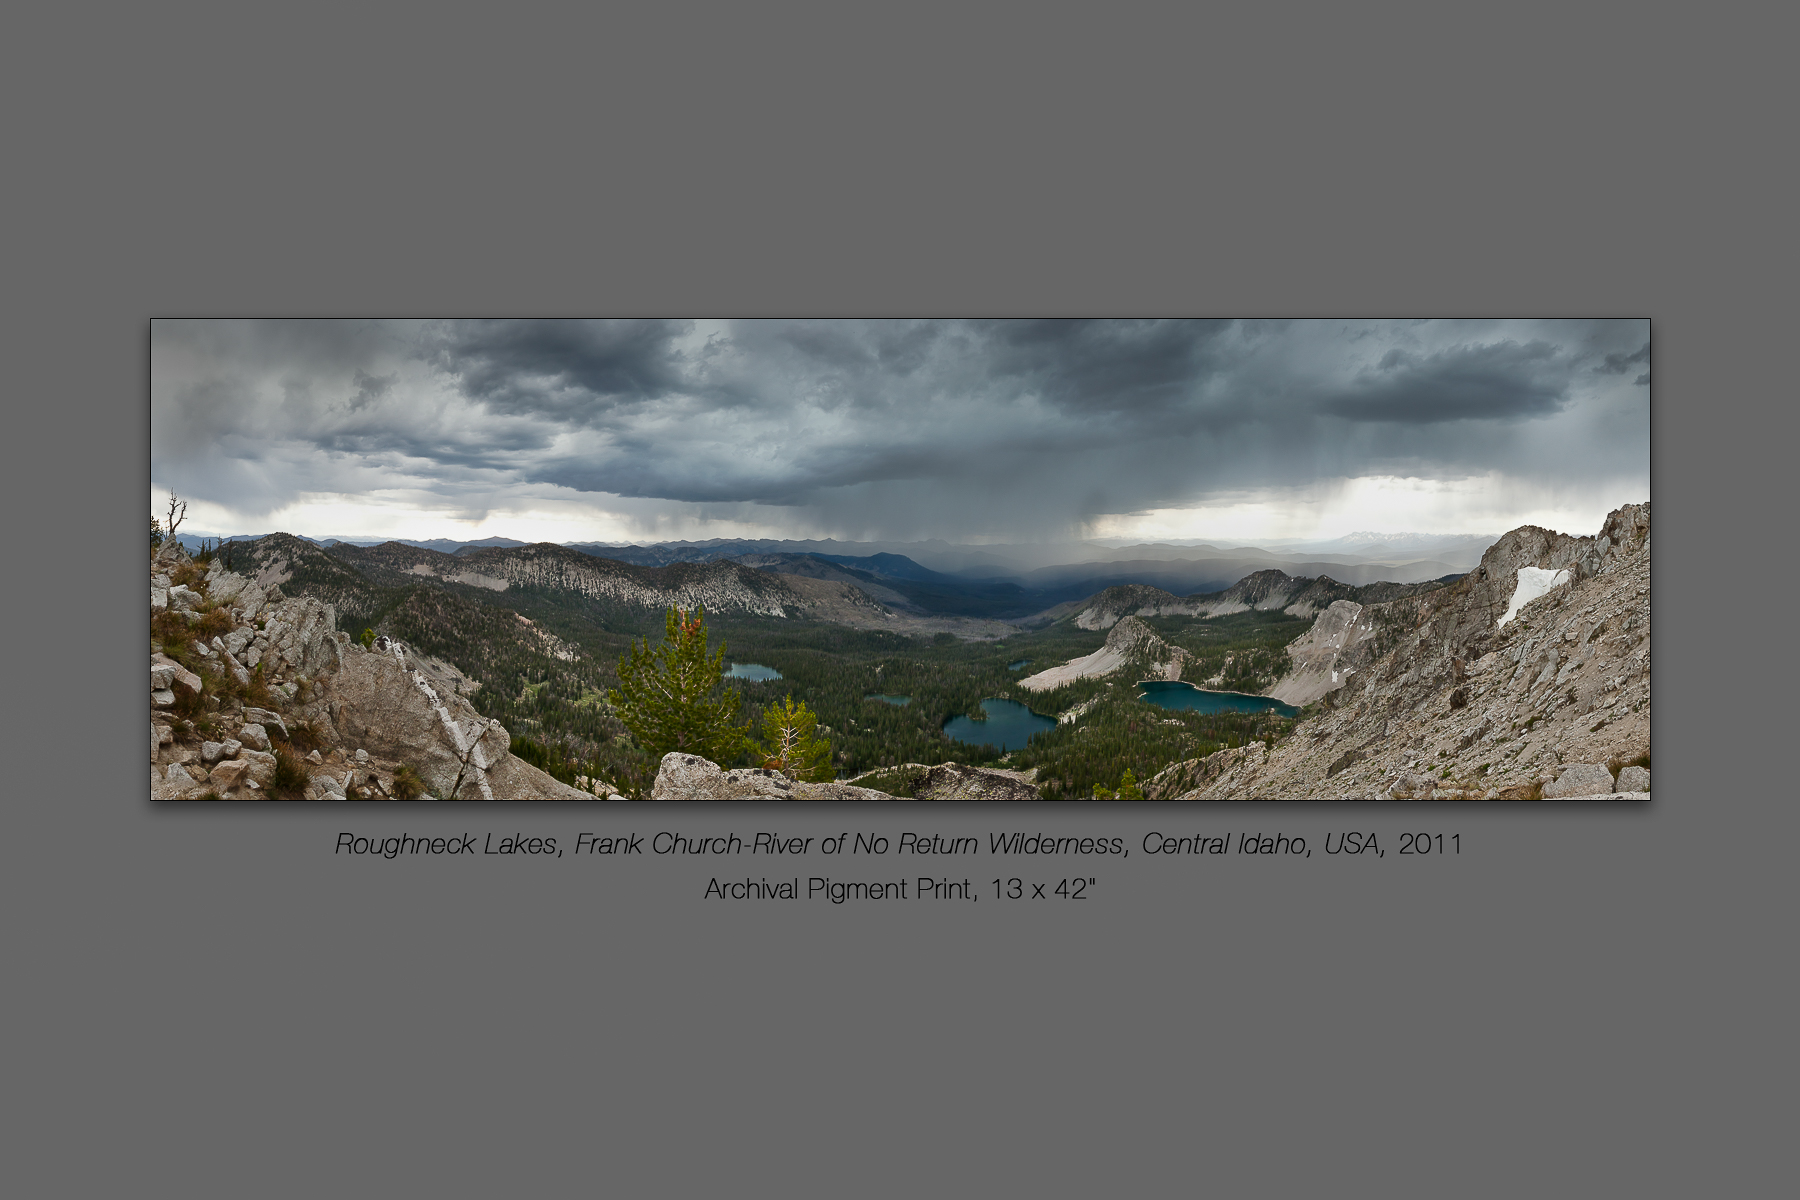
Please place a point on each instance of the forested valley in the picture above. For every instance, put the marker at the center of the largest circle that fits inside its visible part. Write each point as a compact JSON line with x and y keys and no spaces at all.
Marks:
{"x":542,"y":661}
{"x":556,"y":706}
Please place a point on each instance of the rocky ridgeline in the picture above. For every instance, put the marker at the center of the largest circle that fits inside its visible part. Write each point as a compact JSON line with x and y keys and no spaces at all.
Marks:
{"x":1265,"y":591}
{"x":345,"y":574}
{"x":265,"y":677}
{"x":1105,"y":609}
{"x":1434,"y":698}
{"x":1130,"y":643}
{"x":690,"y":777}
{"x":718,"y":587}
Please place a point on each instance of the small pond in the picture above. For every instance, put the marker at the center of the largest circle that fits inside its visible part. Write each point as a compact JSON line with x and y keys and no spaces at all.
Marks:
{"x":1019,"y":666}
{"x":1186,"y":696}
{"x":896,"y":701}
{"x":1009,"y":726}
{"x":752,"y":671}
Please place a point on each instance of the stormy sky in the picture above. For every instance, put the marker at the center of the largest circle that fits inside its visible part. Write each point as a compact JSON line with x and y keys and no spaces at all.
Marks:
{"x":977,"y":431}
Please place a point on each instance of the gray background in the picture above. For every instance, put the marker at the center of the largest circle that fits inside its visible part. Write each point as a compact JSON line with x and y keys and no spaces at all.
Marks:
{"x":206,"y":1002}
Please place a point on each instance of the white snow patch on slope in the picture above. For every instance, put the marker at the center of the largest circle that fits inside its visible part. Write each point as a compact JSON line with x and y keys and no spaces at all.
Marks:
{"x":1533,"y":582}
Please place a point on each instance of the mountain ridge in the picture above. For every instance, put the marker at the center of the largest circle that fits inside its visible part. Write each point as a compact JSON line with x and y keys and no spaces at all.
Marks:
{"x":1432,"y":698}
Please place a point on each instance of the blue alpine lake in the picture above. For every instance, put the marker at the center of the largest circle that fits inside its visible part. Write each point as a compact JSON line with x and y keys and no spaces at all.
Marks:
{"x":1174,"y":695}
{"x":752,"y":671}
{"x":896,"y":701}
{"x":1020,"y":665}
{"x":1009,"y":726}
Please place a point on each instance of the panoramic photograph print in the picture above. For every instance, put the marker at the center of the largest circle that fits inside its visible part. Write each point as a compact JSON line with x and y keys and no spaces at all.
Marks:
{"x":861,"y":560}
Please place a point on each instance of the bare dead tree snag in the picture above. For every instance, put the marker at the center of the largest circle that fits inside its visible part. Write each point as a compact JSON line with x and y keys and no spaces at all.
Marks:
{"x":177,"y":511}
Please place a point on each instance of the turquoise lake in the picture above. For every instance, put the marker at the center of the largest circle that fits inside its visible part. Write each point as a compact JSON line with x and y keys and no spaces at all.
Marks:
{"x":1019,"y":666}
{"x":1185,"y":696}
{"x":1009,"y":726}
{"x":752,"y":671}
{"x":896,"y":701}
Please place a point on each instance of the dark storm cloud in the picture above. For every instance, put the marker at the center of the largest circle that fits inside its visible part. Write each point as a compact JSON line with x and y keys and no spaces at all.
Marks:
{"x":1107,"y":365}
{"x":1503,"y":381}
{"x":579,"y":371}
{"x":370,"y":388}
{"x":881,"y":425}
{"x":1618,"y":364}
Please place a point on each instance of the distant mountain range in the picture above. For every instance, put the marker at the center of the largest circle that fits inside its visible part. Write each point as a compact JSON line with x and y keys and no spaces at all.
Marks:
{"x":443,"y":545}
{"x":1004,"y":583}
{"x":1020,"y":594}
{"x":884,"y":589}
{"x":996,"y":560}
{"x":1014,"y":560}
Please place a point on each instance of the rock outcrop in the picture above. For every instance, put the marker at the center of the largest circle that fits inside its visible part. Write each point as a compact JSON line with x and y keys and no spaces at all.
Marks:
{"x":690,"y":777}
{"x":954,"y":781}
{"x":1131,"y":642}
{"x":1327,"y":655}
{"x":1435,"y":698}
{"x":278,"y":679}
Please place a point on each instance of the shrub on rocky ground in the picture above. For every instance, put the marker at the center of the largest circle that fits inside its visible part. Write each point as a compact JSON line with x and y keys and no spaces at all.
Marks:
{"x":291,"y":776}
{"x":214,"y":623}
{"x":172,"y":631}
{"x":407,"y":784}
{"x":305,"y":735}
{"x":257,"y":693}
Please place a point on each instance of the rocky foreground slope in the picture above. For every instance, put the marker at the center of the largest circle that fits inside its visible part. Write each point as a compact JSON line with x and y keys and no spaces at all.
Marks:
{"x":1433,"y":696}
{"x":255,"y":694}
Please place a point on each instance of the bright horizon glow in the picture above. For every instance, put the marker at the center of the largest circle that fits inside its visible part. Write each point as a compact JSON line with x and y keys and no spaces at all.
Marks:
{"x":1319,"y":512}
{"x":1482,"y":504}
{"x":396,"y":515}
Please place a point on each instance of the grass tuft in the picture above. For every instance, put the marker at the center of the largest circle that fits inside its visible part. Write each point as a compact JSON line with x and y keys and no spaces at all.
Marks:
{"x":291,"y":776}
{"x":215,"y":622}
{"x":305,"y":736}
{"x":407,"y":784}
{"x":258,"y":695}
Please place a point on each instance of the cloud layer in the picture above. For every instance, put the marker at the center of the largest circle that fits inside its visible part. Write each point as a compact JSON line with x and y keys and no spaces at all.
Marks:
{"x":981,"y":430}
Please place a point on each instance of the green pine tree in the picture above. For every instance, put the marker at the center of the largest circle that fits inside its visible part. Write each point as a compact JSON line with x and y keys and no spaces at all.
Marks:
{"x":791,"y":743}
{"x":669,"y":695}
{"x":1128,"y":788}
